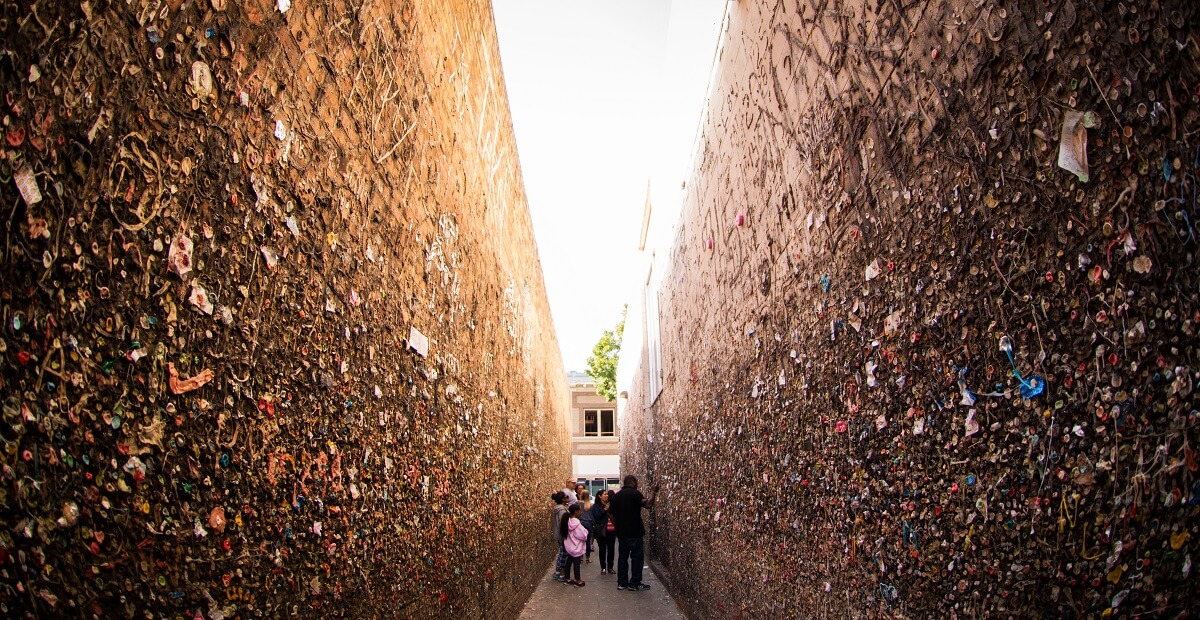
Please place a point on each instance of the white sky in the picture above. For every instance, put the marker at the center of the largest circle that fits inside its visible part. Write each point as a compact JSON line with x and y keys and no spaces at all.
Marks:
{"x":605,"y":94}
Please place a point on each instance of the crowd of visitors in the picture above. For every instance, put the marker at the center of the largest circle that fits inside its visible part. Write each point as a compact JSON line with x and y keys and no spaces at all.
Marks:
{"x":614,"y":517}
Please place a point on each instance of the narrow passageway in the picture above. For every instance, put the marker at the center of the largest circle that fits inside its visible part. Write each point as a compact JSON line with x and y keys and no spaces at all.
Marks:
{"x":916,"y":335}
{"x":600,"y":599}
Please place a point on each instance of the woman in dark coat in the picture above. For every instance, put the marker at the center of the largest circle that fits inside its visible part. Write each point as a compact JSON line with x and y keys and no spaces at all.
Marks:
{"x":605,"y":538}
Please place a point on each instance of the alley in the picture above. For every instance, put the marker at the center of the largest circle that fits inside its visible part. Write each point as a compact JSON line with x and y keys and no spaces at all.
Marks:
{"x":915,"y":337}
{"x":599,"y":599}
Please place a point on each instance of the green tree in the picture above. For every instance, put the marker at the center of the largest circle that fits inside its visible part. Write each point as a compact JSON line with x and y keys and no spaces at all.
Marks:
{"x":602,"y":364}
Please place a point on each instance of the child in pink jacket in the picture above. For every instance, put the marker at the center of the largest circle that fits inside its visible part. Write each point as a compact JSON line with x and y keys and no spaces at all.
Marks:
{"x":574,"y":536}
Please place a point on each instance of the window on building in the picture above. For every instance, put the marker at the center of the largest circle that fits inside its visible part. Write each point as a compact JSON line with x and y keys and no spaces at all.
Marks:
{"x":608,"y":426}
{"x":653,"y":338}
{"x":599,"y":422}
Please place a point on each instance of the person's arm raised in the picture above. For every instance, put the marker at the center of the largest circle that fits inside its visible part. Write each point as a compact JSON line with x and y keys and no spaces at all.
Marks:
{"x":649,"y":502}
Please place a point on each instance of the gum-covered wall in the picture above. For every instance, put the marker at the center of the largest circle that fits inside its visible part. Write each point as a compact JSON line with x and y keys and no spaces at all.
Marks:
{"x":275,"y":338}
{"x":876,"y":214}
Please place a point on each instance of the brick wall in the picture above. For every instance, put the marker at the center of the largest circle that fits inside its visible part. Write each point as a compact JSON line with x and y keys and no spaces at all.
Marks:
{"x":878,"y":183}
{"x":341,"y":172}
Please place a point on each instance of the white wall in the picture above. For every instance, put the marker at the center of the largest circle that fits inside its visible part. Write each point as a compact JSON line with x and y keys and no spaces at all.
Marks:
{"x":695,"y":31}
{"x":596,"y":465}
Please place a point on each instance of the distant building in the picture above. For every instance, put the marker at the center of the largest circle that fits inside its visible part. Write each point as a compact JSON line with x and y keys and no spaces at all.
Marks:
{"x":595,"y":434}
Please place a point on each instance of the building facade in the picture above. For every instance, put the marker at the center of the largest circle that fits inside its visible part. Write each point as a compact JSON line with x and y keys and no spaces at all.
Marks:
{"x":595,"y":434}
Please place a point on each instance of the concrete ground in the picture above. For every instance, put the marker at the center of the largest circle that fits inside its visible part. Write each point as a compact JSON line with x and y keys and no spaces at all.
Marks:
{"x":599,"y":599}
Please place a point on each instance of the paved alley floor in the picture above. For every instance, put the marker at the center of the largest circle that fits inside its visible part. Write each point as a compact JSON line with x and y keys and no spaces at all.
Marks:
{"x":599,"y":599}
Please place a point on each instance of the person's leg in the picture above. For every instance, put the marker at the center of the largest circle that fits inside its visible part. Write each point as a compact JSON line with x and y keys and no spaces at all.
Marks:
{"x":635,"y":560}
{"x":575,"y":562}
{"x":560,"y":565}
{"x":607,"y":552}
{"x":623,"y":563}
{"x":588,"y":553}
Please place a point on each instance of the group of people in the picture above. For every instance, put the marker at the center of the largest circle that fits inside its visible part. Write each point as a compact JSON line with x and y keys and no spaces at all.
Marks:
{"x":614,"y":517}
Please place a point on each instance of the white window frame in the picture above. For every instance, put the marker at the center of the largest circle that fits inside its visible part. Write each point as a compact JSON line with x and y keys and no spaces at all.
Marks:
{"x":600,"y":422}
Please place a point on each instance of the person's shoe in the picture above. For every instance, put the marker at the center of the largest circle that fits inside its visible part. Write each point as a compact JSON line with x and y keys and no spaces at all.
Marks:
{"x":570,"y":582}
{"x":641,"y":587}
{"x":620,"y":587}
{"x":604,"y":571}
{"x":589,"y":560}
{"x":580,"y":583}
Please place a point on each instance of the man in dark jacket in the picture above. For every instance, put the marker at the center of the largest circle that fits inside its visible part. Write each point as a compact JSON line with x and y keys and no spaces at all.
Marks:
{"x":625,"y":509}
